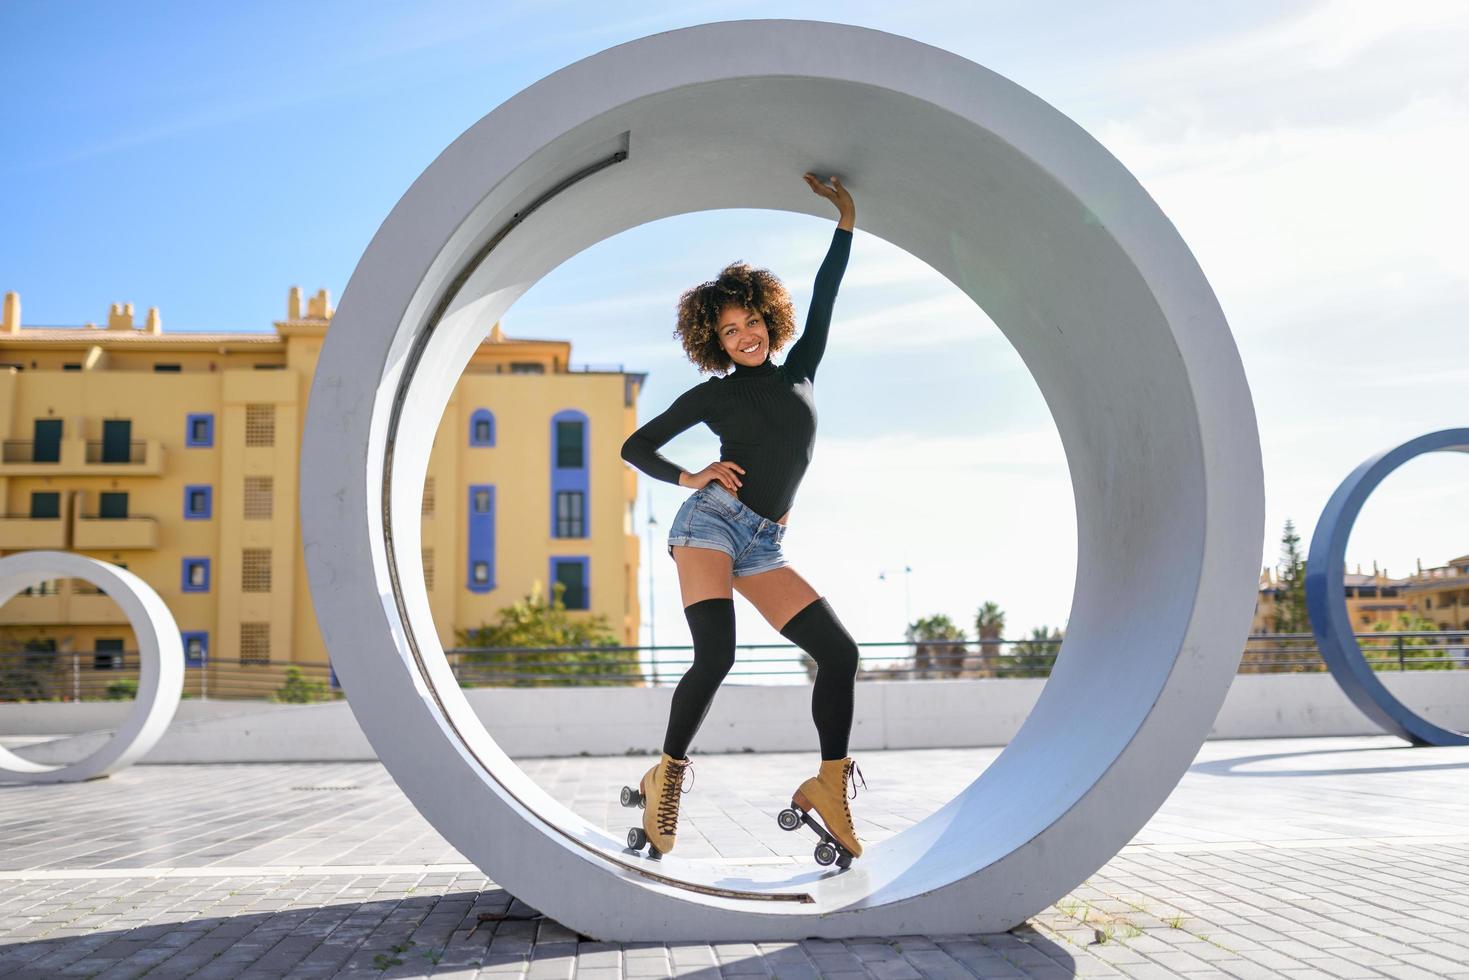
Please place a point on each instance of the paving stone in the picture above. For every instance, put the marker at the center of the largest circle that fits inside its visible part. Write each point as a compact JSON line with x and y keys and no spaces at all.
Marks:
{"x":1312,"y":859}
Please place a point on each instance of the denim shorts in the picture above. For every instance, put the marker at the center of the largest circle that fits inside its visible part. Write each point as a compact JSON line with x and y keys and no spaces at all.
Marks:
{"x":712,"y":517}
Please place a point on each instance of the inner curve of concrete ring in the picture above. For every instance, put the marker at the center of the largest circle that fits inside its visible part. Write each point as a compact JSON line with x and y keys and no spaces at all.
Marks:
{"x":999,"y":193}
{"x":160,"y":654}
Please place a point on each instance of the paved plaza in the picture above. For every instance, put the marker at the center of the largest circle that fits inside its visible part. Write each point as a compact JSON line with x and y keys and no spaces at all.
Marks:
{"x":1343,"y":857}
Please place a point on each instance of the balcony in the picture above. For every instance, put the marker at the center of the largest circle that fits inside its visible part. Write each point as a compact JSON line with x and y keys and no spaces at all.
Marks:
{"x":62,"y":602}
{"x":20,"y":532}
{"x":78,"y":457}
{"x":42,"y":607}
{"x":90,"y":606}
{"x":91,"y":533}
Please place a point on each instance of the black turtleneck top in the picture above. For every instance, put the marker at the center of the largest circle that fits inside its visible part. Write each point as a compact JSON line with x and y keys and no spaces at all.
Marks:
{"x":765,"y":416}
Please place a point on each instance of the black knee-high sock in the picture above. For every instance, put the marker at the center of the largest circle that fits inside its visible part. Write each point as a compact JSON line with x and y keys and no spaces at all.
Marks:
{"x":817,"y":630}
{"x":712,"y":623}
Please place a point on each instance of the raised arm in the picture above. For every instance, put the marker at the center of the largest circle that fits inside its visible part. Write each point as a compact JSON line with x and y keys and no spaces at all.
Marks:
{"x":806,"y":353}
{"x":641,"y":448}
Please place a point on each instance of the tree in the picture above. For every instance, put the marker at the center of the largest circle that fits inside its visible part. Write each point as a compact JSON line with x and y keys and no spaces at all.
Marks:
{"x":535,"y":623}
{"x":298,"y":689}
{"x":1290,"y":595}
{"x":1400,"y":651}
{"x":1034,"y":657}
{"x":989,"y":626}
{"x":932,"y":656}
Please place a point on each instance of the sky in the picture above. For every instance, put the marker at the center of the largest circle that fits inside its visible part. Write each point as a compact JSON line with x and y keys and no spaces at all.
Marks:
{"x":204,"y":158}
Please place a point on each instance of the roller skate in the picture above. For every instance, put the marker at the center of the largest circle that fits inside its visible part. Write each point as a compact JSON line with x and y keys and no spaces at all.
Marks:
{"x":826,"y":793}
{"x":663,"y":785}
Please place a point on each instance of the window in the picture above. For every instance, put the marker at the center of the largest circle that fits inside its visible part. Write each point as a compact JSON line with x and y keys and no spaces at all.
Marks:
{"x":259,"y":498}
{"x":196,"y":575}
{"x":72,"y":366}
{"x":428,"y":497}
{"x":112,"y":506}
{"x":45,"y":505}
{"x":572,"y":574}
{"x":107,"y":654}
{"x":198,"y":502}
{"x":481,"y":527}
{"x":527,"y":367}
{"x":254,"y":644}
{"x":167,"y":368}
{"x":199,"y":430}
{"x":117,"y":440}
{"x":46,"y":444}
{"x":260,"y":425}
{"x":571,"y":514}
{"x":428,"y":568}
{"x":196,"y":649}
{"x":482,"y":428}
{"x":255,"y":570}
{"x":569,"y":453}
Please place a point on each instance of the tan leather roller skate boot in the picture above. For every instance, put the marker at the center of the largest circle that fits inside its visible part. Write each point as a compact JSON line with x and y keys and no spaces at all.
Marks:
{"x":826,"y":793}
{"x":658,"y":794}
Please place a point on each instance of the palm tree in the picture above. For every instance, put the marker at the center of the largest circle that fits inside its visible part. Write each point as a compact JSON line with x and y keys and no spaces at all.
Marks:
{"x":1034,"y":657}
{"x":989,"y":626}
{"x":931,"y":655}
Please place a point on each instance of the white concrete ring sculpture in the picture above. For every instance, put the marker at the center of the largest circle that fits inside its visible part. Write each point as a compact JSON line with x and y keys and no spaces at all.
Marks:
{"x":161,"y":669}
{"x":1005,"y":197}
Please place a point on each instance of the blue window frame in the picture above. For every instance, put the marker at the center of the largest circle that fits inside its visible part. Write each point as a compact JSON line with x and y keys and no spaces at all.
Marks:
{"x":481,"y":570}
{"x":482,"y":428}
{"x":570,"y":478}
{"x":199,"y":429}
{"x":198,"y":502}
{"x":195,"y":575}
{"x":196,"y":648}
{"x":572,"y":571}
{"x":571,"y":514}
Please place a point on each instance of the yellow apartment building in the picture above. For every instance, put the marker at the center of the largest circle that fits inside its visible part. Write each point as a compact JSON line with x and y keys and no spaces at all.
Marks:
{"x":1442,"y":594}
{"x":177,"y":454}
{"x":1439,"y":595}
{"x":1371,"y":599}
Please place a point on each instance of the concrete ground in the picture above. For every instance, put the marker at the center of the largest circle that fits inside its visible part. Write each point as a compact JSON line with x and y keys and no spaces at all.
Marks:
{"x":1344,"y":857}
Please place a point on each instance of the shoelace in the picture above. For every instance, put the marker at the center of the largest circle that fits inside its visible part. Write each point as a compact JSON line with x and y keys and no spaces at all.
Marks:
{"x":673,"y":787}
{"x":851,"y":773}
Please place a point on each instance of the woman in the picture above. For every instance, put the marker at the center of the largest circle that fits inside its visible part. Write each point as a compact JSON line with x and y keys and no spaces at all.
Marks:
{"x":727,"y":535}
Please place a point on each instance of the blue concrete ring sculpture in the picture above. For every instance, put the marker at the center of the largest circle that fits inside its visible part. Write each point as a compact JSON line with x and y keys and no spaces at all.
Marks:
{"x":1326,"y":596}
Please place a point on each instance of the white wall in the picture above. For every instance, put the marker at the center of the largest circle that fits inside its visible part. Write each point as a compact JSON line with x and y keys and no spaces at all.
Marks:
{"x":617,"y":721}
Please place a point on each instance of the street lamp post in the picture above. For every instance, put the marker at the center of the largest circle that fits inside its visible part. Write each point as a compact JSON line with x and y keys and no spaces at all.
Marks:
{"x":652,"y":592}
{"x":907,"y":593}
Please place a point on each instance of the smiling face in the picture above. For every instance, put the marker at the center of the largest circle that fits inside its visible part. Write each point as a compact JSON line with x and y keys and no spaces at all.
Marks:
{"x":743,"y":335}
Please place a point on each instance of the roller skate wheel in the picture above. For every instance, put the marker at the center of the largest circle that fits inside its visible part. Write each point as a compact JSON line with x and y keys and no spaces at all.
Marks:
{"x":788,"y":819}
{"x":636,"y":838}
{"x":845,"y":861}
{"x":631,"y":797}
{"x":825,"y":854}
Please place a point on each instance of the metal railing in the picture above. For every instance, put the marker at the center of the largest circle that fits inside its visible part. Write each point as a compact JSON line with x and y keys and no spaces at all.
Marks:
{"x":107,"y":674}
{"x":125,"y":517}
{"x":112,"y":675}
{"x":24,"y":451}
{"x":137,"y":452}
